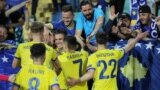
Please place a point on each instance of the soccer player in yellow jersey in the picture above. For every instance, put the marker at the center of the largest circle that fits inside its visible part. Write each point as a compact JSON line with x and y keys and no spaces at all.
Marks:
{"x":72,"y":62}
{"x":36,"y":76}
{"x":22,"y":55}
{"x":59,"y":37}
{"x":102,"y":65}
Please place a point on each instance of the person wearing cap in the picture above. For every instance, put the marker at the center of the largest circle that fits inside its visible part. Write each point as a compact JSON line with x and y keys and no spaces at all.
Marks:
{"x":121,"y":30}
{"x":146,"y":23}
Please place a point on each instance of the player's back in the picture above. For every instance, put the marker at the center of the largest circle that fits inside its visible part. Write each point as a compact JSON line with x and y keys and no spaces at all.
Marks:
{"x":36,"y":77}
{"x":74,"y":65}
{"x":105,"y":63}
{"x":23,"y":53}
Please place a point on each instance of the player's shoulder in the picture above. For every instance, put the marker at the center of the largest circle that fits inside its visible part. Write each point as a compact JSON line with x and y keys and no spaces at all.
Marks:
{"x":84,"y":52}
{"x":98,"y":52}
{"x":24,"y":68}
{"x":116,"y":51}
{"x":25,"y":45}
{"x":50,"y":71}
{"x":49,"y":48}
{"x":62,"y":56}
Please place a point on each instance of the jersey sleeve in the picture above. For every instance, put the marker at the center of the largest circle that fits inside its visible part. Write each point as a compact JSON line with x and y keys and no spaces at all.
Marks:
{"x":120,"y":53}
{"x":85,"y":54}
{"x":91,"y":63}
{"x":79,"y":24}
{"x":18,"y":78}
{"x":53,"y":81}
{"x":18,"y":53}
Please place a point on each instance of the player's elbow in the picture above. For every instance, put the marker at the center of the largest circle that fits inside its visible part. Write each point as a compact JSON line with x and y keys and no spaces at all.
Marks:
{"x":100,"y":21}
{"x":90,"y":74}
{"x":15,"y":63}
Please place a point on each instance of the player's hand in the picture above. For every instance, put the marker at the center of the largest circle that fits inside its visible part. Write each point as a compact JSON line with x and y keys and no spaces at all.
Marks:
{"x":141,"y":35}
{"x":47,"y":34}
{"x":125,"y":30}
{"x":157,"y":18}
{"x":113,"y":16}
{"x":119,"y":23}
{"x":89,"y":38}
{"x":72,"y":82}
{"x":12,"y":78}
{"x":80,"y":40}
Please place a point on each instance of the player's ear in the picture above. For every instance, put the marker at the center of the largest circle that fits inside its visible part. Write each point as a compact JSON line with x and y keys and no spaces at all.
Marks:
{"x":44,"y":57}
{"x":31,"y":56}
{"x":78,"y":47}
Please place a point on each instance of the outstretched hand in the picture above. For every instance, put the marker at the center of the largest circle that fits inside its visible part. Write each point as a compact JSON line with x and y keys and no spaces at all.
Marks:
{"x":12,"y":78}
{"x":47,"y":34}
{"x":115,"y":29}
{"x":72,"y":82}
{"x":113,"y":16}
{"x":89,"y":38}
{"x":141,"y":35}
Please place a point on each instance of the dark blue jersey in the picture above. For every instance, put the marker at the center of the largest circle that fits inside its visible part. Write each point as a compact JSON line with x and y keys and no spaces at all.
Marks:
{"x":152,"y":29}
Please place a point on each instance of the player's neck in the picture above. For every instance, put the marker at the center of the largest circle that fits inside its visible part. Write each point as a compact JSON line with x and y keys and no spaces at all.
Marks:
{"x":36,"y":38}
{"x":69,"y":51}
{"x":37,"y":62}
{"x":101,"y":46}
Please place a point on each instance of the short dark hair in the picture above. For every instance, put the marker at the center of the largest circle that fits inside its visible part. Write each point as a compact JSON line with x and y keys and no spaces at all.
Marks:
{"x":67,"y":8}
{"x":60,"y":31}
{"x":85,"y":2}
{"x":37,"y":27}
{"x":38,"y":50}
{"x":72,"y":43}
{"x":101,"y":38}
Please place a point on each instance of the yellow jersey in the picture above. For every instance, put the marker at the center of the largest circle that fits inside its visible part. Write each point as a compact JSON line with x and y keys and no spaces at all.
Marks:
{"x":62,"y":81}
{"x":74,"y":65}
{"x":105,"y":63}
{"x":23,"y":53}
{"x":61,"y":78}
{"x":36,"y":77}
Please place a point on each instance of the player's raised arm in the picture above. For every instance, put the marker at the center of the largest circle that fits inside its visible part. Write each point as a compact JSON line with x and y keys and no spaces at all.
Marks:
{"x":17,"y":7}
{"x":132,"y":42}
{"x":16,"y":63}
